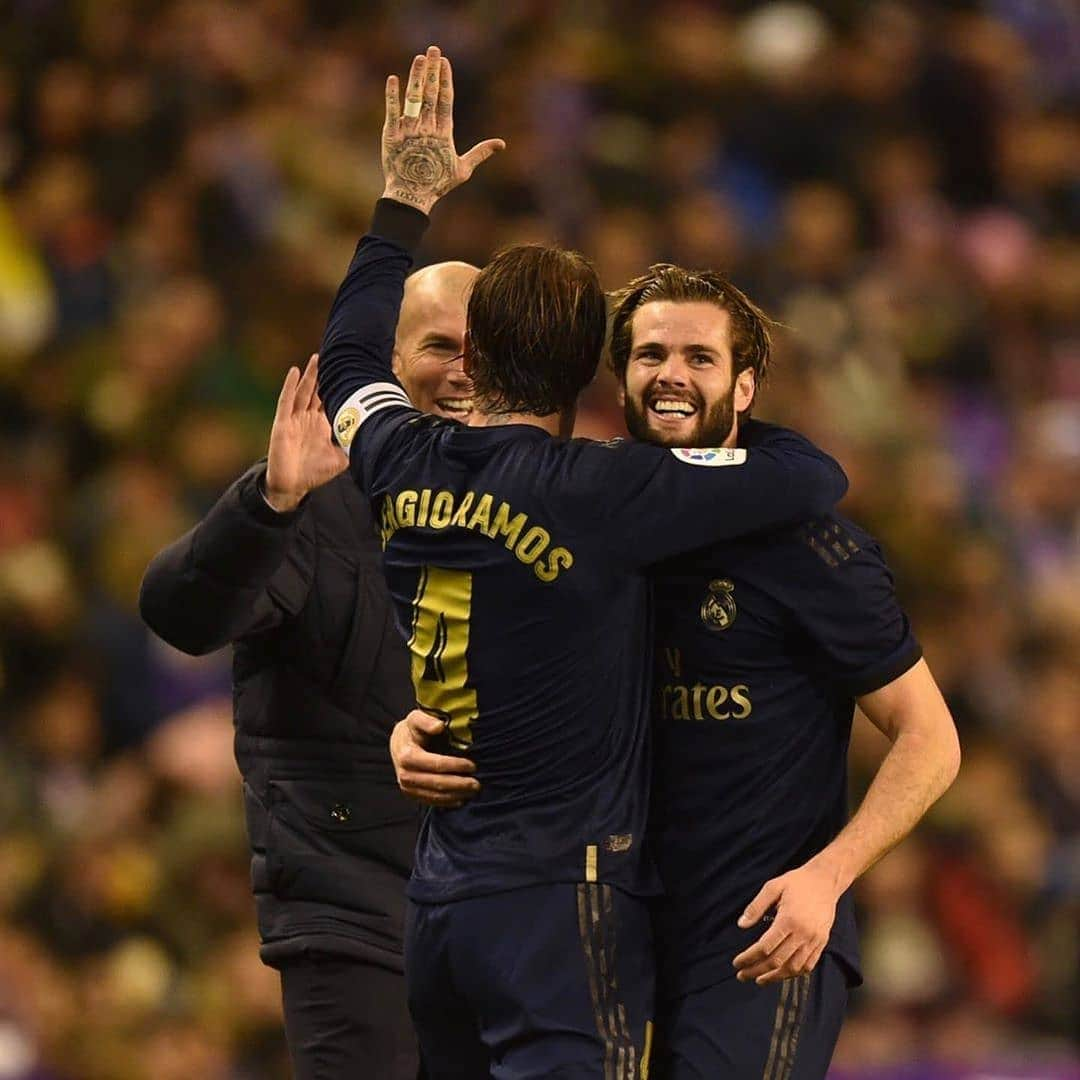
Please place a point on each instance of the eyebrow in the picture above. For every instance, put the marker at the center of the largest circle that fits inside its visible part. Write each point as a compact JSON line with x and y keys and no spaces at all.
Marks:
{"x":688,"y":348}
{"x":442,"y":340}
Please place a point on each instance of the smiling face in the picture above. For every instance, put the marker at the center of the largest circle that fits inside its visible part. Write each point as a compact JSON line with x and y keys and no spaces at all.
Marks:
{"x":431,"y":339}
{"x":679,"y":388}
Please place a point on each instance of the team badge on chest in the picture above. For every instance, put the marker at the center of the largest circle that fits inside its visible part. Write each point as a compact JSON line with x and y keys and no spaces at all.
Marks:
{"x":718,"y":609}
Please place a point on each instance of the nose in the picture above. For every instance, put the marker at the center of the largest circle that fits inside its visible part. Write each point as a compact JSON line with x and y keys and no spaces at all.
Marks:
{"x":455,"y":374}
{"x":672,"y":372}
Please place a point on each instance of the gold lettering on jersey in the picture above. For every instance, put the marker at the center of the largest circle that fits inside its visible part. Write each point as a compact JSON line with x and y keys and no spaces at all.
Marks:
{"x":425,"y":508}
{"x":674,"y":661}
{"x":530,"y":547}
{"x":462,"y":511}
{"x":405,"y":509}
{"x":678,"y":701}
{"x":481,"y":518}
{"x":559,"y":559}
{"x":507,"y":526}
{"x":477,"y":512}
{"x":442,"y":510}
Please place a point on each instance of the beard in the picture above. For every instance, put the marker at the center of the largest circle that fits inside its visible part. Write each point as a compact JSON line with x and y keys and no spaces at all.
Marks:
{"x":706,"y":428}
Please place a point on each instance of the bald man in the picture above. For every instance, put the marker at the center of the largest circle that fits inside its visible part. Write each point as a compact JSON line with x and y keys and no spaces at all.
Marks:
{"x":430,"y":339}
{"x":320,"y":676}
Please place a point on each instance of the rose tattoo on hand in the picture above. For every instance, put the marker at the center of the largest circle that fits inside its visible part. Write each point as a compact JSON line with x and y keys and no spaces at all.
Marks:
{"x":420,"y":164}
{"x":421,"y":167}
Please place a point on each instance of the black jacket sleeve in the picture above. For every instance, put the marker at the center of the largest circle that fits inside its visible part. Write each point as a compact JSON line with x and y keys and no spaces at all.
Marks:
{"x":241,"y":570}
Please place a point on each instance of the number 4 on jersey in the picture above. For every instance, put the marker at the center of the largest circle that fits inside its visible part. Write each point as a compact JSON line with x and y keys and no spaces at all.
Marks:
{"x":438,"y":647}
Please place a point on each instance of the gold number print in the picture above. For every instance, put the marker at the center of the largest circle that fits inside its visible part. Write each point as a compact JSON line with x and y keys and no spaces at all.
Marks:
{"x":439,"y":642}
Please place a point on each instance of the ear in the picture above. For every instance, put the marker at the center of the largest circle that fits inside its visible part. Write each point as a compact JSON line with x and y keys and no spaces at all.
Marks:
{"x":620,"y":393}
{"x":745,"y":387}
{"x":395,"y":364}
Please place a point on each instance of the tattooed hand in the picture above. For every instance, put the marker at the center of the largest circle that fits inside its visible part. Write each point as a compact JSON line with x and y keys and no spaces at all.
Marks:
{"x":420,"y":164}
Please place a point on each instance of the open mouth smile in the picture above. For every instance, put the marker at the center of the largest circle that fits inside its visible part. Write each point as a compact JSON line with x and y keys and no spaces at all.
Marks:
{"x":455,"y":407}
{"x":671,"y":408}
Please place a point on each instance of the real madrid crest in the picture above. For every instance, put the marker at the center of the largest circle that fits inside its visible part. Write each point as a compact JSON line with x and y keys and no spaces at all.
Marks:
{"x":718,"y":609}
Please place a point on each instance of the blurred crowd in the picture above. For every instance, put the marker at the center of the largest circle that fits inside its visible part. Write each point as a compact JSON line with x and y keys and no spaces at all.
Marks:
{"x":181,"y":184}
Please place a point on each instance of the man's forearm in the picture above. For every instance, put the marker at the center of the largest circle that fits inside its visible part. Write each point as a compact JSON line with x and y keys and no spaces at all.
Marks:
{"x":917,"y":770}
{"x":358,"y":344}
{"x":197,"y":593}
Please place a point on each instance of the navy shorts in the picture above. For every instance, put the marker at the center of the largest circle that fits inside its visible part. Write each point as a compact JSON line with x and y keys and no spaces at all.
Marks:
{"x":541,"y":982}
{"x":741,"y":1031}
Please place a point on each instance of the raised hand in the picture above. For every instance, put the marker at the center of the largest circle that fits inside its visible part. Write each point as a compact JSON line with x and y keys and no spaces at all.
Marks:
{"x":302,"y":455}
{"x":420,"y":164}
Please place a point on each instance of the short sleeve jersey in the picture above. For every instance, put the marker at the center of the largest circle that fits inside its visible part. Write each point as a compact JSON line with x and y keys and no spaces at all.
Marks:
{"x":762,"y":646}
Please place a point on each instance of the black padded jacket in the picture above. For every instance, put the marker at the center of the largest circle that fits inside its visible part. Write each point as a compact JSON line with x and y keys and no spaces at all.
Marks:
{"x":320,"y":676}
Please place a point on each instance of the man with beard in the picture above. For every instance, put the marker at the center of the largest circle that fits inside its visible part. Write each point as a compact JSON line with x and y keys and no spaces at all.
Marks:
{"x":763,"y":647}
{"x":320,"y":675}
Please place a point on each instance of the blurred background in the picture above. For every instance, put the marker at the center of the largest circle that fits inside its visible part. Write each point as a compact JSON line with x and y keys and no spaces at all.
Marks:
{"x":181,"y":185}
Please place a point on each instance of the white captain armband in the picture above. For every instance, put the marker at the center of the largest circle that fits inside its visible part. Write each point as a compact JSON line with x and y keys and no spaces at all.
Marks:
{"x":713,"y":456}
{"x":360,"y":405}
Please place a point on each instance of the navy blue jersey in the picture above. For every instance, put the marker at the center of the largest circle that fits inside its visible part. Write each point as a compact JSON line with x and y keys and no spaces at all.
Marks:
{"x":762,"y":646}
{"x":516,"y":562}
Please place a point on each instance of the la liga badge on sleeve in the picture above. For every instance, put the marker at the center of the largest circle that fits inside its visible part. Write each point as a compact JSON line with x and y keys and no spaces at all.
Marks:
{"x":712,"y":456}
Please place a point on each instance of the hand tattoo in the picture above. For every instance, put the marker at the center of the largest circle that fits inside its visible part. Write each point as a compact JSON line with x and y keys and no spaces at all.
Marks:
{"x":419,"y":170}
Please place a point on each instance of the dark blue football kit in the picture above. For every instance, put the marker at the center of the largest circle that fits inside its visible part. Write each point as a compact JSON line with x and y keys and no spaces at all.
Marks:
{"x":762,"y":645}
{"x":516,"y":563}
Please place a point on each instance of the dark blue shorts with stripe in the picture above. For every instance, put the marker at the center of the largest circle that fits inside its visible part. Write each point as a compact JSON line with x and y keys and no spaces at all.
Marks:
{"x":741,"y":1031}
{"x":550,"y":981}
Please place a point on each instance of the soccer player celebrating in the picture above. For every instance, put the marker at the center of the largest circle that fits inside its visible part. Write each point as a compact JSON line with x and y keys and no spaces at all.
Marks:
{"x":763,"y":646}
{"x":515,"y":560}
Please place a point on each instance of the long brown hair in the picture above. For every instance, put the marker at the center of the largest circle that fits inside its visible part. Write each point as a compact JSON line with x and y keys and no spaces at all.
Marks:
{"x":536,"y":324}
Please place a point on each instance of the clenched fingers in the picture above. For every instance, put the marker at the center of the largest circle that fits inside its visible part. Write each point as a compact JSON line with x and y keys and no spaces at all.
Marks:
{"x":418,"y":760}
{"x":420,"y":725}
{"x":434,"y":778}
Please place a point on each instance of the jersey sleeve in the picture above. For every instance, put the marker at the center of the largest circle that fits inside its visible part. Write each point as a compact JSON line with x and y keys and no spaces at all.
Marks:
{"x":840,"y":590}
{"x":661,"y":502}
{"x":356,"y":381}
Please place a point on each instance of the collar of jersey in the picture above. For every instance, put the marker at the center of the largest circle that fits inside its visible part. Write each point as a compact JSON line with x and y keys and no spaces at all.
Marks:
{"x":503,"y":431}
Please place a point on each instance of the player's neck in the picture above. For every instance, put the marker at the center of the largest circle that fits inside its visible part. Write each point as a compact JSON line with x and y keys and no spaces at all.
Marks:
{"x":732,"y":436}
{"x":557,"y":424}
